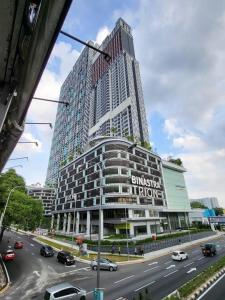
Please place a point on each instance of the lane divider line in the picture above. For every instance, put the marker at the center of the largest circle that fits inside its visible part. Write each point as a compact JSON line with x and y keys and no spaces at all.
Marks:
{"x":143,"y":286}
{"x":154,"y":263}
{"x":189,"y":264}
{"x":124,"y":279}
{"x":201,"y":258}
{"x":170,"y":273}
{"x":151,"y":269}
{"x":206,"y":291}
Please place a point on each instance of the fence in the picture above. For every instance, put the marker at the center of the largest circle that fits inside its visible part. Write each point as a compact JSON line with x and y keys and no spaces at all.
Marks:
{"x":151,"y":246}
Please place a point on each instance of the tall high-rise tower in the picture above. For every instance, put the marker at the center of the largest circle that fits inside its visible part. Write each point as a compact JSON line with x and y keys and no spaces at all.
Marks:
{"x":116,"y":97}
{"x":105,"y":98}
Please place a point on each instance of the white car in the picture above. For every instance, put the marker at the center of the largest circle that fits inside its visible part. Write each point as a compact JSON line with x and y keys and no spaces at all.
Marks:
{"x":179,"y":255}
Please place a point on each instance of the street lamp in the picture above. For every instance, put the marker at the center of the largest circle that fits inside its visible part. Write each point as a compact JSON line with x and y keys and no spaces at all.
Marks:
{"x":25,"y":157}
{"x":7,"y":201}
{"x":31,"y":123}
{"x":36,"y":143}
{"x":50,"y":100}
{"x":17,"y":166}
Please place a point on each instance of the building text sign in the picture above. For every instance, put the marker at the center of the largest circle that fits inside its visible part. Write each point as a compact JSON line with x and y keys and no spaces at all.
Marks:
{"x":146,"y":187}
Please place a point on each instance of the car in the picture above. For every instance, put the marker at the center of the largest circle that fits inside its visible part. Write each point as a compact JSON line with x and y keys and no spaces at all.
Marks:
{"x":179,"y":255}
{"x":64,"y":291}
{"x":65,"y":258}
{"x":47,"y":251}
{"x":209,"y":249}
{"x":18,"y":245}
{"x":8,"y":255}
{"x":105,"y":264}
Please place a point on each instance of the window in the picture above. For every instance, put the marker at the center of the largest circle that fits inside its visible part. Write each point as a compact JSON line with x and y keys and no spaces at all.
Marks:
{"x":66,"y":292}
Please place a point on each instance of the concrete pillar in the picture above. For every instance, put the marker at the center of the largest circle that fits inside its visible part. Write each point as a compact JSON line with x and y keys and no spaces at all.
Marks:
{"x":69,"y":223}
{"x":88,"y":223}
{"x":77,"y":222}
{"x":52,"y":221}
{"x":179,"y":222}
{"x":147,"y":213}
{"x":131,"y":229}
{"x":148,"y":229}
{"x":57,"y":222}
{"x":169,"y":223}
{"x":130,"y":213}
{"x":64,"y":222}
{"x":102,"y":223}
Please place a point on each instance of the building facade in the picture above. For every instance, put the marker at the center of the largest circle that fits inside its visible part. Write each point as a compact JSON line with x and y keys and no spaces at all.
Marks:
{"x":126,"y":185}
{"x":46,"y":195}
{"x":209,"y":202}
{"x":105,"y":98}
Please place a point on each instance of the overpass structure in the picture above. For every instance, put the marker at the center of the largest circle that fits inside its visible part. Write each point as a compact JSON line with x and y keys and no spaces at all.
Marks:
{"x":28,"y":31}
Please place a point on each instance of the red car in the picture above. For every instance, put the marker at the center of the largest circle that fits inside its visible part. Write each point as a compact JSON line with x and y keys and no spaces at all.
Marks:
{"x":8,"y":255}
{"x":18,"y":245}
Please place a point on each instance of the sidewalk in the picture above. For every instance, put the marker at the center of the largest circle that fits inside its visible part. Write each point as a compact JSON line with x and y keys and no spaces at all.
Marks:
{"x":147,"y":256}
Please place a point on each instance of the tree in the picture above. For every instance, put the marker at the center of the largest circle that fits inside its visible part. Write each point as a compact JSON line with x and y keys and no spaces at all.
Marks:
{"x":22,"y":210}
{"x":146,"y":145}
{"x":219,"y":211}
{"x":130,"y":138}
{"x":196,"y":204}
{"x":176,"y":161}
{"x":113,"y":130}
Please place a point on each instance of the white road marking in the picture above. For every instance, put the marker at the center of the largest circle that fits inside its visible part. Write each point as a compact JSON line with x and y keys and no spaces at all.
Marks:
{"x":144,"y":286}
{"x":32,"y":245}
{"x":32,"y":253}
{"x":124,"y":278}
{"x":189,"y":264}
{"x":151,"y":269}
{"x":206,"y":291}
{"x":89,"y":292}
{"x":167,"y":262}
{"x":154,"y":263}
{"x":171,"y":266}
{"x":191,"y":270}
{"x":73,"y":271}
{"x":201,"y":258}
{"x":170,"y":273}
{"x":37,"y":273}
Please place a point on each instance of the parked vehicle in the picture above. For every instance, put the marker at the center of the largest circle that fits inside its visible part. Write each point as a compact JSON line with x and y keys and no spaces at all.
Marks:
{"x":64,"y":291}
{"x":105,"y":264}
{"x":18,"y":245}
{"x":179,"y":255}
{"x":209,"y":249}
{"x":47,"y":251}
{"x":65,"y":258}
{"x":8,"y":255}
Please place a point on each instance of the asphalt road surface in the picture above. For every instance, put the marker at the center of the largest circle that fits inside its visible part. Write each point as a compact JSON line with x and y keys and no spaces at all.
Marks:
{"x":31,"y":273}
{"x":215,"y":291}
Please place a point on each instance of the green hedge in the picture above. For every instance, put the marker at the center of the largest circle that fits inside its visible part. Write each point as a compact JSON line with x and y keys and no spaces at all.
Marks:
{"x":139,"y":242}
{"x":194,"y":283}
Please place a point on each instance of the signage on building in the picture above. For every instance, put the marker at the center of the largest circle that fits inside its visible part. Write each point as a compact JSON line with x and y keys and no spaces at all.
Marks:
{"x":217,"y":220}
{"x":146,"y":187}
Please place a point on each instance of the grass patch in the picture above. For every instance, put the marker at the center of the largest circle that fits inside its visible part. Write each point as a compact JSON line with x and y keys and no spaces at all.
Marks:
{"x":112,"y":257}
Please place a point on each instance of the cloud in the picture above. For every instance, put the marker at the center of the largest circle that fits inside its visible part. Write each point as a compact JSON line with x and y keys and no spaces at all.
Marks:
{"x":28,"y":137}
{"x":102,"y":34}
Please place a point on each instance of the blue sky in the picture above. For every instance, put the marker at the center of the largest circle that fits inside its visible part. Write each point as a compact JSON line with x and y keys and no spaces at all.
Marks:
{"x":180,"y":47}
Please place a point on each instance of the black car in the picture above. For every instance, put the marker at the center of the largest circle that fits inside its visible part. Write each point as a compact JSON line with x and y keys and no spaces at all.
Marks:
{"x":209,"y":249}
{"x":65,"y":258}
{"x":46,"y":251}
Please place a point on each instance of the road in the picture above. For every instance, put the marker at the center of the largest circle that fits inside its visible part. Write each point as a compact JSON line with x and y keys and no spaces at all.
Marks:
{"x":34,"y":273}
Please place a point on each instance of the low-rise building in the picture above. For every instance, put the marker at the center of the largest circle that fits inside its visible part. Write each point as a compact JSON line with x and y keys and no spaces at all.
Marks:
{"x":209,"y":202}
{"x":129,"y":186}
{"x":45,"y":194}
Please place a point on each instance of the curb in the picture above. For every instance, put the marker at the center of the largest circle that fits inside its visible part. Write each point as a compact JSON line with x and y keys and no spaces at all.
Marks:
{"x":4,"y":289}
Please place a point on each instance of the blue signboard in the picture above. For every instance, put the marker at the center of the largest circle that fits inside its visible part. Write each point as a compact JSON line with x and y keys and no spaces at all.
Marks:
{"x":98,"y":294}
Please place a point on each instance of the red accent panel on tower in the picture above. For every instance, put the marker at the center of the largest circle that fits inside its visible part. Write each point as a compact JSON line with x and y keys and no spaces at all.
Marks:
{"x":113,"y":48}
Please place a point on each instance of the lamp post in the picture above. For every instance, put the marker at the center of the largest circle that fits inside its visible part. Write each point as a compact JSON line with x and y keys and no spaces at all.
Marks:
{"x":36,"y":143}
{"x":7,"y":201}
{"x":39,"y":123}
{"x":17,"y":166}
{"x":25,"y":157}
{"x":50,"y":100}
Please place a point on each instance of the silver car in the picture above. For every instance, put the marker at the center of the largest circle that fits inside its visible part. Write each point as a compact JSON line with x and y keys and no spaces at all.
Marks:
{"x":64,"y":291}
{"x":105,"y":264}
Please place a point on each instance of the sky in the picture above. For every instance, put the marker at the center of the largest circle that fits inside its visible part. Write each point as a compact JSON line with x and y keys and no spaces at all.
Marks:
{"x":180,"y":47}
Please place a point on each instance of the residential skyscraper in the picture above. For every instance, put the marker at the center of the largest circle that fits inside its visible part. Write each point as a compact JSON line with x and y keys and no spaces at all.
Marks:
{"x":105,"y":98}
